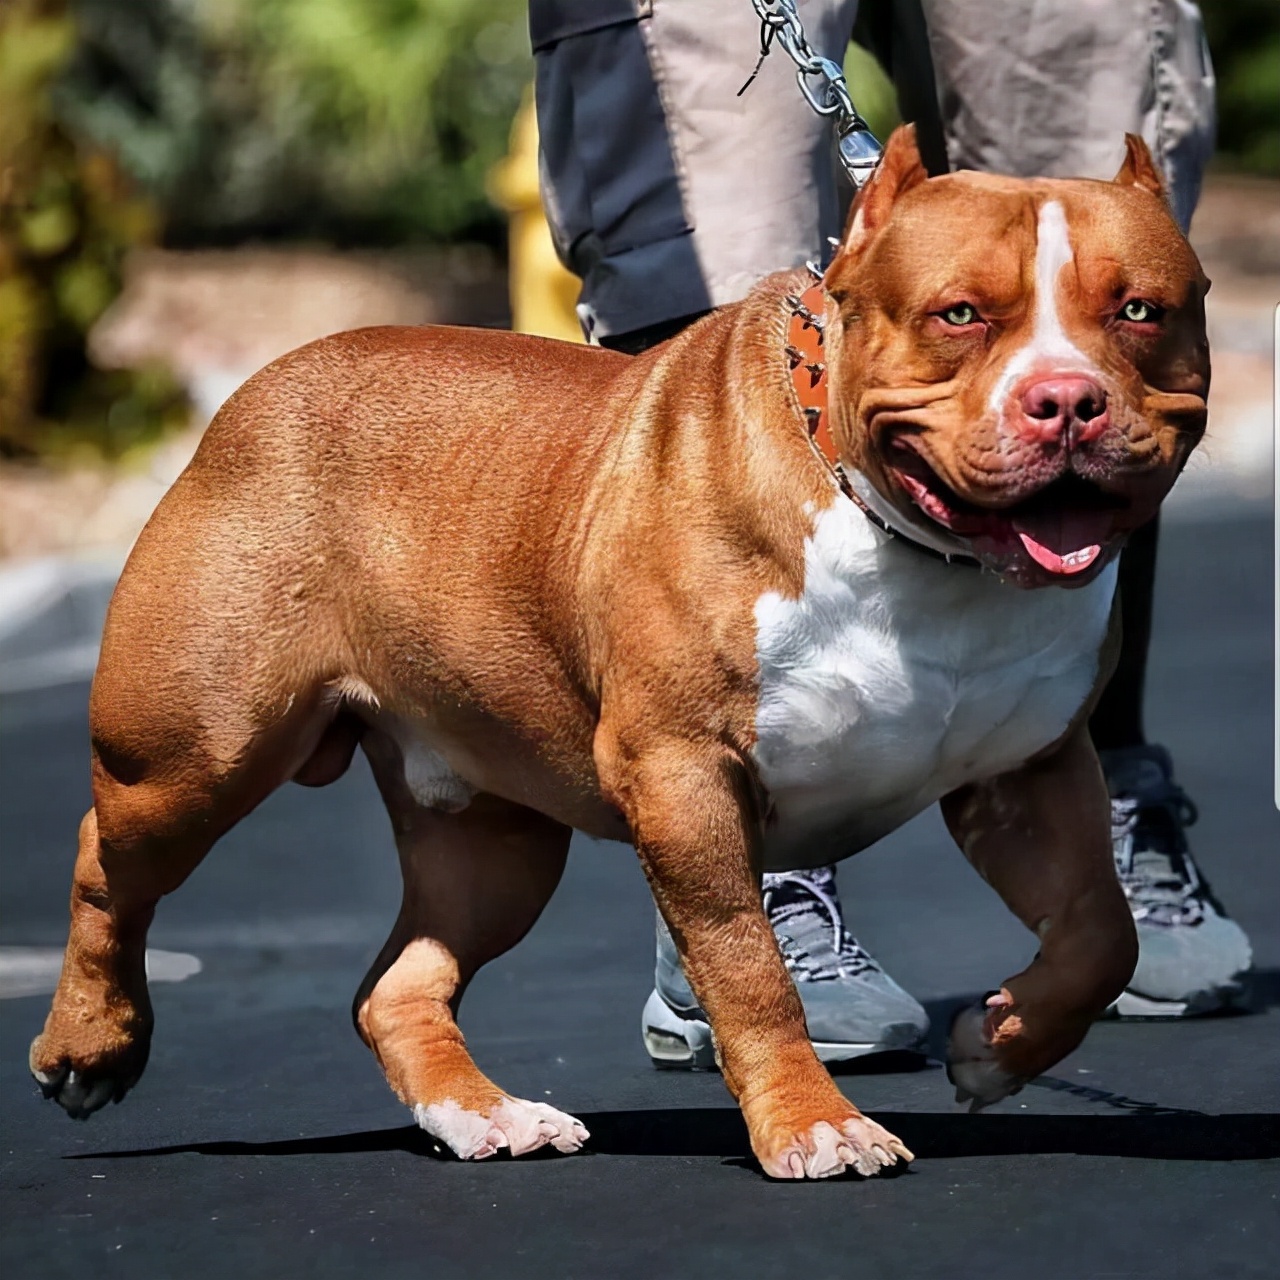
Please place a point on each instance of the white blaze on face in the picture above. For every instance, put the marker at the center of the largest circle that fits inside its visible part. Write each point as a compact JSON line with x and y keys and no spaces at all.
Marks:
{"x":1049,"y":348}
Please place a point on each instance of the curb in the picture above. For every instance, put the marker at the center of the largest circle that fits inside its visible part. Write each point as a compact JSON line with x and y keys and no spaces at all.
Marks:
{"x":51,"y":615}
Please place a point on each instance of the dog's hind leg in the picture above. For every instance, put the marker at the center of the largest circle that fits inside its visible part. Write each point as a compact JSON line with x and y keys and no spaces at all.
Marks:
{"x":137,"y":844}
{"x":162,"y":796}
{"x":475,"y":881}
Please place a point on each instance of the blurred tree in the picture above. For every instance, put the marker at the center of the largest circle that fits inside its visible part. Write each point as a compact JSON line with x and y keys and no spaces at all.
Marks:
{"x":368,"y":121}
{"x":347,"y":120}
{"x":1244,"y":38}
{"x":67,"y":217}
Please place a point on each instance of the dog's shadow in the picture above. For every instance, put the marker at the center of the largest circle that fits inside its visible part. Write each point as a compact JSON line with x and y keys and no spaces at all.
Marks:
{"x":720,"y":1132}
{"x":1136,"y":1130}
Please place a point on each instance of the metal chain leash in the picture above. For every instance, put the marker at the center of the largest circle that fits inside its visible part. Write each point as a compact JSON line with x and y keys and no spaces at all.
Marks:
{"x":823,"y":84}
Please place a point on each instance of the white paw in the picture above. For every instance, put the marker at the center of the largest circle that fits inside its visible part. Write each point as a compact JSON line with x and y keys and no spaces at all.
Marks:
{"x":971,"y":1062}
{"x":825,"y":1151}
{"x":513,"y":1123}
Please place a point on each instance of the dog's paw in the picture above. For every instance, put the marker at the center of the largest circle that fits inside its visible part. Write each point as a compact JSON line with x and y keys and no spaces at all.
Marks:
{"x":972,"y":1064}
{"x":79,"y":1096}
{"x":82,"y":1090}
{"x":512,"y":1124}
{"x":825,"y":1150}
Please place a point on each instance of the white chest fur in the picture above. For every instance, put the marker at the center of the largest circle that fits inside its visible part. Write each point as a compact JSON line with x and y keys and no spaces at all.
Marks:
{"x":896,"y":678}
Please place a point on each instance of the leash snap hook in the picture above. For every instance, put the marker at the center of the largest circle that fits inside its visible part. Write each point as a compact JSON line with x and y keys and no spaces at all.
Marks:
{"x":860,"y":151}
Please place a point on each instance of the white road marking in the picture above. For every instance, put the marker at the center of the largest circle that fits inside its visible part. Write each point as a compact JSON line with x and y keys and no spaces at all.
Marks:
{"x":34,"y":971}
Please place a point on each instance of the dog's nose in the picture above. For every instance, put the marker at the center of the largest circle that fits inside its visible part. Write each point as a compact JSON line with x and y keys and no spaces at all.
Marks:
{"x":1071,"y":409}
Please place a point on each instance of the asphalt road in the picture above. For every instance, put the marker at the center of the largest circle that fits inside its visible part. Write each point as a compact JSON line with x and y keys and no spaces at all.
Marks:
{"x":262,"y":1141}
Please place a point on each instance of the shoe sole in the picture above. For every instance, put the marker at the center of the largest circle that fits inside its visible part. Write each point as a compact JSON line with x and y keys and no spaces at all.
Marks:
{"x":1133,"y":1007}
{"x":676,"y":1042}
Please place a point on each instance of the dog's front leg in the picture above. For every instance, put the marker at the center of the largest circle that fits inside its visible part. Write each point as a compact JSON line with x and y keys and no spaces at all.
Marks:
{"x":693,"y":818}
{"x":1039,"y":836}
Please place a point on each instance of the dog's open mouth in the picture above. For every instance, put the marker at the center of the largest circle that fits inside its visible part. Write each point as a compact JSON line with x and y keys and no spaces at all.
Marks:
{"x":1064,"y":527}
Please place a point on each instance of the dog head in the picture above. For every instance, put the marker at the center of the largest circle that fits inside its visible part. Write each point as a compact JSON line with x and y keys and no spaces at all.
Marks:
{"x":1019,"y":367}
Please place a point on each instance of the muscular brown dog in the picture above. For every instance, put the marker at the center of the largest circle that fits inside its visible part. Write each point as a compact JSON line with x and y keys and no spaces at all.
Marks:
{"x":546,"y":587}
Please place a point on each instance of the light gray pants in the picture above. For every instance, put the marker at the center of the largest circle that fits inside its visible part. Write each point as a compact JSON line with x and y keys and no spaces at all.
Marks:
{"x":668,"y":193}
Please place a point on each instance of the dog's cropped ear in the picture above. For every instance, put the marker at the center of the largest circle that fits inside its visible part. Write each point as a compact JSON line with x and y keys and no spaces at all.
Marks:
{"x":1139,"y":168}
{"x":899,"y":170}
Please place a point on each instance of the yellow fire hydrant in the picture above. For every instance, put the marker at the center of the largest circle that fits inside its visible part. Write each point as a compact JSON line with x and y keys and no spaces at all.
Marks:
{"x":543,"y":292}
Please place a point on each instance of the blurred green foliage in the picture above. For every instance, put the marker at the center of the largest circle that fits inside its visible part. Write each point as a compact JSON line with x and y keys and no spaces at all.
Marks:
{"x":67,"y":218}
{"x":1244,"y":39}
{"x":346,"y":120}
{"x":872,"y":90}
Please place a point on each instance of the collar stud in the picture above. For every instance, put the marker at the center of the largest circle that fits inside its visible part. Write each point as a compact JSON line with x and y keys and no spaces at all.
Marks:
{"x":804,"y":352}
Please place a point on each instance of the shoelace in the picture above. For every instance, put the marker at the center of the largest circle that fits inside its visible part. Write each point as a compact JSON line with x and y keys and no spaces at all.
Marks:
{"x":1163,"y":885}
{"x":812,"y":894}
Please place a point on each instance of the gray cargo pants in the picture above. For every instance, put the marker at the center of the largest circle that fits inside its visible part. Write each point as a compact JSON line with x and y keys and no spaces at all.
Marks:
{"x":669,"y":194}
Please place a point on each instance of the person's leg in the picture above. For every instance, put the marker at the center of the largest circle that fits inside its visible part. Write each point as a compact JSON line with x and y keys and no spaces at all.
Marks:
{"x":667,"y":192}
{"x":670,"y":194}
{"x":635,"y":341}
{"x":1116,"y":723}
{"x":1053,"y":97}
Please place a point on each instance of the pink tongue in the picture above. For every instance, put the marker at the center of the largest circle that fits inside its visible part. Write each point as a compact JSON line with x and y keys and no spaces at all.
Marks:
{"x":1064,"y":541}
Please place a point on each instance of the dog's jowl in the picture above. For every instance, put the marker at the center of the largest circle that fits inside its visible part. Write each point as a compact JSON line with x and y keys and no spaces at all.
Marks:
{"x":745,"y":604}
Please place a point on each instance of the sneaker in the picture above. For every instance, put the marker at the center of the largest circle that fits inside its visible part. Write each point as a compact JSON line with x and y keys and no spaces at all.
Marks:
{"x":1192,"y":957}
{"x":852,"y":1007}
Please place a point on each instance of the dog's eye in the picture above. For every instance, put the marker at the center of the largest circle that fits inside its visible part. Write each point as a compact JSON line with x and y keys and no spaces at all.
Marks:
{"x":961,"y":314}
{"x":1140,"y":311}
